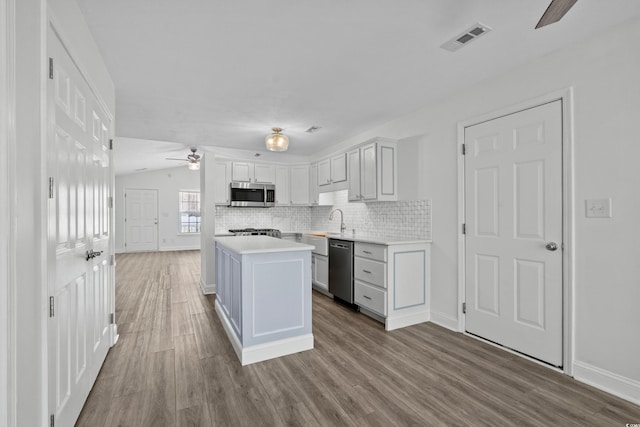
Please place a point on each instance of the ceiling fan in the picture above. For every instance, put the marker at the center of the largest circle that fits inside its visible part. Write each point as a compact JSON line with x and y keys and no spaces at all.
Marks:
{"x":556,"y":10}
{"x":192,"y":158}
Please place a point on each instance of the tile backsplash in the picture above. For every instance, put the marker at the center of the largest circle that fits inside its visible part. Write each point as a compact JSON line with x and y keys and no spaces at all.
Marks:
{"x":411,"y":219}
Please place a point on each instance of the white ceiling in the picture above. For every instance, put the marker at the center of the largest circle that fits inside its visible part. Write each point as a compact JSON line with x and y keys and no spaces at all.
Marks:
{"x":222,"y":73}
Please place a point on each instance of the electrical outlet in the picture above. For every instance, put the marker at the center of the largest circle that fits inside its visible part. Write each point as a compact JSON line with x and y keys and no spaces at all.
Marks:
{"x":598,"y":208}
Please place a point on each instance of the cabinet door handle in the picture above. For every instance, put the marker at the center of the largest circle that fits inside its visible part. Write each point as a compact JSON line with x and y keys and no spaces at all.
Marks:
{"x":366,"y":252}
{"x":366,"y":271}
{"x":364,"y":296}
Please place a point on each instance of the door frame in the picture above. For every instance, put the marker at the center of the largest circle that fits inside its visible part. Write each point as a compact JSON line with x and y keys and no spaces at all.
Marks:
{"x":7,"y":217}
{"x":568,"y":217}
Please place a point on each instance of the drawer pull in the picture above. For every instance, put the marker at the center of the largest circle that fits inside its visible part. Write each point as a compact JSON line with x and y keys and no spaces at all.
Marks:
{"x":366,"y":252}
{"x":364,"y":296}
{"x":366,"y":271}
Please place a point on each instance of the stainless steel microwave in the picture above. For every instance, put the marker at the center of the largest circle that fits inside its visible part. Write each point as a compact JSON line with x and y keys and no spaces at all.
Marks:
{"x":250,"y":195}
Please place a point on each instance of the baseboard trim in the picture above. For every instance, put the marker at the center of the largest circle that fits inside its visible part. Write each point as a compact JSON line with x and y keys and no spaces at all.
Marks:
{"x":610,"y":382}
{"x":444,"y":320}
{"x":179,"y":248}
{"x":400,"y":321}
{"x":207,"y":289}
{"x":261,"y":352}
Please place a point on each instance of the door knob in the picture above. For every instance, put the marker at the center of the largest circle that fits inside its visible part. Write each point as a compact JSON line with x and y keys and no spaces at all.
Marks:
{"x":551,"y":246}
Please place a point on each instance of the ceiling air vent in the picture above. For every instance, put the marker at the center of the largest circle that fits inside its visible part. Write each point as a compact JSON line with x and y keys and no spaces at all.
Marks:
{"x":313,"y":129}
{"x":463,"y":39}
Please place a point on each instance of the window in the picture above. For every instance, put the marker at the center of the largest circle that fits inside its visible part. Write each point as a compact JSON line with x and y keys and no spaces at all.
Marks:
{"x":189,"y":211}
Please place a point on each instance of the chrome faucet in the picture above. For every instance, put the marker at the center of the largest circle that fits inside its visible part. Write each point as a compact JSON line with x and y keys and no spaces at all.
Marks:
{"x":343,"y":226}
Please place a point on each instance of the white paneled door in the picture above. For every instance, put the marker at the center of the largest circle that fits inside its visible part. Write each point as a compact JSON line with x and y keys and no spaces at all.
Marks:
{"x":513,"y":203}
{"x":79,"y":271}
{"x":141,"y":220}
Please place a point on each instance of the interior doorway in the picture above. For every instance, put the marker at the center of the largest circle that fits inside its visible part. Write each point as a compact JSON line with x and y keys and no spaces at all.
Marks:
{"x":513,"y":236}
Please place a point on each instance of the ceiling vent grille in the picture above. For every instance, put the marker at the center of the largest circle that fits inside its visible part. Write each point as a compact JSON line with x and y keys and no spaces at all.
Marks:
{"x":466,"y":37}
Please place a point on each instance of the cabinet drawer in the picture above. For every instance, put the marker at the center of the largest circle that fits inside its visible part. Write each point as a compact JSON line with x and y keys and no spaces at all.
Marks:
{"x":374,"y":272}
{"x":374,"y":299}
{"x":370,"y":250}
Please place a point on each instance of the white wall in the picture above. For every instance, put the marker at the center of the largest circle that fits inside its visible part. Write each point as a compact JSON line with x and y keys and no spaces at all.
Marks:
{"x":604,"y":74}
{"x":168,"y":182}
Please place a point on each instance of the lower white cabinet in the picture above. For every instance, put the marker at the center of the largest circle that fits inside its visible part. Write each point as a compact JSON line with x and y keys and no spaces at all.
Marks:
{"x":320,"y":272}
{"x":391,"y":282}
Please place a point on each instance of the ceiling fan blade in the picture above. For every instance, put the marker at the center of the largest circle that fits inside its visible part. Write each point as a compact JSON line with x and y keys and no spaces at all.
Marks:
{"x":556,"y":10}
{"x":182,"y":160}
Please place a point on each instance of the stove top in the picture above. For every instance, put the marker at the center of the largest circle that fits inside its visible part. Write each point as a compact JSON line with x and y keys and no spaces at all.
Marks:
{"x":272,"y":232}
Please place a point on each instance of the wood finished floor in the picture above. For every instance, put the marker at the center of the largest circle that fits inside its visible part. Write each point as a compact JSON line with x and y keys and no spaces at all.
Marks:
{"x":174,"y":366}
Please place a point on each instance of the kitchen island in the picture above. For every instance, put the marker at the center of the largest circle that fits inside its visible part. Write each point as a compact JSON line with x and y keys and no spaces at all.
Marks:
{"x":264,"y":296}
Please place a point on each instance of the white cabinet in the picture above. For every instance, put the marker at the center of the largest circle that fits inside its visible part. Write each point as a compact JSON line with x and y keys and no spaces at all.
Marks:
{"x":253,"y":172}
{"x":314,"y":194}
{"x":222,"y":178}
{"x":333,"y":170}
{"x":320,"y":272}
{"x":378,"y":171}
{"x":263,"y":174}
{"x":242,"y":171}
{"x":299,"y":185}
{"x":324,"y":172}
{"x":391,"y":282}
{"x":339,"y":168}
{"x":353,"y":170}
{"x":283,"y":197}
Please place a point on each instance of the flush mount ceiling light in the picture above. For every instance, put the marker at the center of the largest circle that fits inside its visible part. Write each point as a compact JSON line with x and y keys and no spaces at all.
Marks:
{"x":277,"y":141}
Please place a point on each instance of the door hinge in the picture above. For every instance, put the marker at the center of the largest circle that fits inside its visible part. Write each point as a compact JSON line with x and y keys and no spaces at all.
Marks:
{"x":464,"y":228}
{"x":51,"y":68}
{"x":111,"y":144}
{"x":464,"y":308}
{"x":111,"y":202}
{"x":52,"y":306}
{"x":464,"y":149}
{"x":52,"y":420}
{"x":112,"y":318}
{"x":51,"y":187}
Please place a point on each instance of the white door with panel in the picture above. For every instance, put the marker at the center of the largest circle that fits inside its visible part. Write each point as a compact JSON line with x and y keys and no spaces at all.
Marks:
{"x":141,"y":220}
{"x":513,"y":203}
{"x":80,"y":281}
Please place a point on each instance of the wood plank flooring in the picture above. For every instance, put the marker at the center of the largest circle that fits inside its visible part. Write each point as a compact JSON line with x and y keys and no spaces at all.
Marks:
{"x":174,"y":366}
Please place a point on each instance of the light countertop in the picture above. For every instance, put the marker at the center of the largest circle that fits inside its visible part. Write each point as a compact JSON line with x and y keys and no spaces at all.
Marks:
{"x":244,"y":245}
{"x":374,"y":238}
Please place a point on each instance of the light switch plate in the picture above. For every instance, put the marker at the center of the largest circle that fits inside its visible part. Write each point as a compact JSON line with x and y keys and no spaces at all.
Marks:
{"x":598,"y":208}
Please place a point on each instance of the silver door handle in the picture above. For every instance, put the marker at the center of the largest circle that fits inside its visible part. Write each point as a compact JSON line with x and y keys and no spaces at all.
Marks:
{"x":551,"y":246}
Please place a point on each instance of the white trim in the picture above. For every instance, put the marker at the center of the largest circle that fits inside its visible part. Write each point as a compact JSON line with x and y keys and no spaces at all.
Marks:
{"x":568,"y":219}
{"x":178,"y":248}
{"x":610,"y":382}
{"x":7,"y":234}
{"x":207,"y":289}
{"x":398,"y":321}
{"x":260,"y":352}
{"x":444,"y":320}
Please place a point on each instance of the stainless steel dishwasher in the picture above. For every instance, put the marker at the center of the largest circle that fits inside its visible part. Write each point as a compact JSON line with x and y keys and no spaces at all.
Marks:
{"x":341,"y":269}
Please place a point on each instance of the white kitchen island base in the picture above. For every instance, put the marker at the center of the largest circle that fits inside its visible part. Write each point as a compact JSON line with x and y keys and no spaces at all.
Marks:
{"x":264,"y":296}
{"x":259,"y":352}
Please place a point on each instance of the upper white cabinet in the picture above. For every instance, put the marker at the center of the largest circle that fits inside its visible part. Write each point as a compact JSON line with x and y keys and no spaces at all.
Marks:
{"x":332,"y":170}
{"x":252,"y":172}
{"x":324,"y":172}
{"x":299,"y":185}
{"x":264,"y":174}
{"x":378,"y":171}
{"x":353,"y":171}
{"x":283,"y":197}
{"x":222,"y":177}
{"x":314,"y":194}
{"x":339,"y":168}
